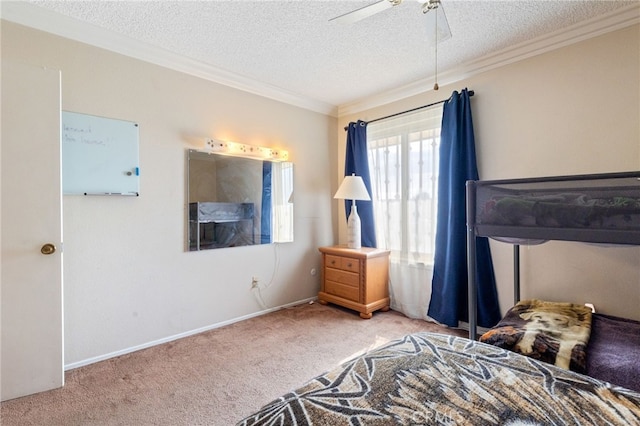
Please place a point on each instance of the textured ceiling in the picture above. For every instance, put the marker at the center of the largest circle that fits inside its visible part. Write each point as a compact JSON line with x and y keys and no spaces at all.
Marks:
{"x":293,"y":45}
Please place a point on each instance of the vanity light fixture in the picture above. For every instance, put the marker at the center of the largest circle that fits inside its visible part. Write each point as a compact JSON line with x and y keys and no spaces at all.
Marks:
{"x":243,"y":150}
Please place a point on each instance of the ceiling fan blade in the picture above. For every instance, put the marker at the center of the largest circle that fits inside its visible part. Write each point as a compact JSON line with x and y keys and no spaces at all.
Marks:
{"x":435,"y":16}
{"x":365,"y":12}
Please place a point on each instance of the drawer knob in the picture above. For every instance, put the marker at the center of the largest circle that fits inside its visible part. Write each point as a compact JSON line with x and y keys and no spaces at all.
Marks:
{"x":333,"y":262}
{"x":349,"y":265}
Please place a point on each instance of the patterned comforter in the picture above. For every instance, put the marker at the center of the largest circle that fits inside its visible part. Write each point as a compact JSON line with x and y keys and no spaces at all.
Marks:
{"x":428,"y":378}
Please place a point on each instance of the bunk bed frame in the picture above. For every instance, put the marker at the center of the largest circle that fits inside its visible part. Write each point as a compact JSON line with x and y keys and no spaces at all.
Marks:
{"x":531,"y":222}
{"x":601,"y":208}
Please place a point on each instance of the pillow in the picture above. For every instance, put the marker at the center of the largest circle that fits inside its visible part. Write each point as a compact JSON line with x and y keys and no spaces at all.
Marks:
{"x":553,"y":332}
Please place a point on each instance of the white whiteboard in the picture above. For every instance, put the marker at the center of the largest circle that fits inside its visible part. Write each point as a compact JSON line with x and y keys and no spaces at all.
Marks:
{"x":99,"y":155}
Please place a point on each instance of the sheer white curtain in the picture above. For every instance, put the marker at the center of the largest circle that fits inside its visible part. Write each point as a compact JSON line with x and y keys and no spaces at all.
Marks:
{"x":403,"y":161}
{"x":282,"y":201}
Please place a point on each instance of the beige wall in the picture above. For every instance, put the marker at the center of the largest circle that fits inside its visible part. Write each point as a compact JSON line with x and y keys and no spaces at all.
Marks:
{"x":128,"y":280}
{"x":575,"y":110}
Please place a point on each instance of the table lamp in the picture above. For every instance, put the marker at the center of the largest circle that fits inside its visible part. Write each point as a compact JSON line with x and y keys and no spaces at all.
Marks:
{"x":352,"y":188}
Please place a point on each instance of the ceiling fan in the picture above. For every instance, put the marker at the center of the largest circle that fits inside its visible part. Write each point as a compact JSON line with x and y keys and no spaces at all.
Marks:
{"x":436,"y":21}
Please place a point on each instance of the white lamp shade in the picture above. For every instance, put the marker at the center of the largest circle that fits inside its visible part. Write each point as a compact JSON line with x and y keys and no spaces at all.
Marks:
{"x":352,"y":188}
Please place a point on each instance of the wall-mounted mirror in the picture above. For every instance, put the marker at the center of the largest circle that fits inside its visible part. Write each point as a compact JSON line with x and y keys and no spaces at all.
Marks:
{"x":237,"y":201}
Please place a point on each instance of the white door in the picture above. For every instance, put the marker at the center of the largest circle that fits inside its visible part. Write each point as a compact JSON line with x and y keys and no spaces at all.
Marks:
{"x":31,"y":292}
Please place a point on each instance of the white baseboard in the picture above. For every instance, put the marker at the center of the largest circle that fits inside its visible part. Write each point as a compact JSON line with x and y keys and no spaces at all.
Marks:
{"x":180,"y":335}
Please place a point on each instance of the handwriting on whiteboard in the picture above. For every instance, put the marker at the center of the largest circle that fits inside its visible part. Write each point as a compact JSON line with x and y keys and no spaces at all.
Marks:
{"x":82,"y":135}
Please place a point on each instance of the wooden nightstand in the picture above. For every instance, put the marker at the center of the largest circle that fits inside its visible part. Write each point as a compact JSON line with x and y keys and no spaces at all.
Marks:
{"x":357,"y":279}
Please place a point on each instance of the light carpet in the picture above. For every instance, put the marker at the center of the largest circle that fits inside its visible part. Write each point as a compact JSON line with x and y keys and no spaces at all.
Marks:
{"x":216,"y":377}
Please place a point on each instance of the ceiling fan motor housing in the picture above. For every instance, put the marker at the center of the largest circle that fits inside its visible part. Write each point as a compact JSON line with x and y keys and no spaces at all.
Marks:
{"x":430,"y":5}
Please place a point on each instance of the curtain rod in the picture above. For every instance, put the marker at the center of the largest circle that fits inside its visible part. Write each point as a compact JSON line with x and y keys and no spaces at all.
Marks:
{"x":471,"y":93}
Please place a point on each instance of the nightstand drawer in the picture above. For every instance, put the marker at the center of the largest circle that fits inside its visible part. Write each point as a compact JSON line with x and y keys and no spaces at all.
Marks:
{"x":342,"y":277}
{"x":346,"y":263}
{"x":342,"y":290}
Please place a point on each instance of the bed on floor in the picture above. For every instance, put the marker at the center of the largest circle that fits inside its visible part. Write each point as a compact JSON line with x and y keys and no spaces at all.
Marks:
{"x":428,"y":378}
{"x":602,"y":209}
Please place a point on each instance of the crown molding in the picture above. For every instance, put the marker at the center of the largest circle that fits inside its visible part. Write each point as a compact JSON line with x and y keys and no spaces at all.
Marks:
{"x":42,"y":19}
{"x":619,"y":19}
{"x":45,"y":20}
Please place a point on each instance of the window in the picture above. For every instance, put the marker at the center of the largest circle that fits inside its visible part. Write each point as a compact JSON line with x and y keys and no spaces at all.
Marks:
{"x":403,"y":160}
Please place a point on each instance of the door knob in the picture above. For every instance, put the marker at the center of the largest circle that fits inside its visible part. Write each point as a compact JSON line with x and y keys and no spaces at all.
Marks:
{"x":48,"y":249}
